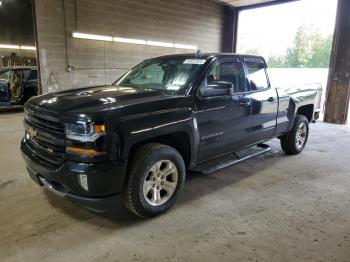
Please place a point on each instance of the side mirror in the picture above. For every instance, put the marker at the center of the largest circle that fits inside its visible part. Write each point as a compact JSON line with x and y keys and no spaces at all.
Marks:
{"x":4,"y":92}
{"x":217,"y":88}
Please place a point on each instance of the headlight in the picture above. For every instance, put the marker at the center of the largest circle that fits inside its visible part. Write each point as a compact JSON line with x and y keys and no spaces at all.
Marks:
{"x":84,"y":132}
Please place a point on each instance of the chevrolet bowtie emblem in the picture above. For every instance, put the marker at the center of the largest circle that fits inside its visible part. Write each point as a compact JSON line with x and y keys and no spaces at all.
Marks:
{"x":32,"y":133}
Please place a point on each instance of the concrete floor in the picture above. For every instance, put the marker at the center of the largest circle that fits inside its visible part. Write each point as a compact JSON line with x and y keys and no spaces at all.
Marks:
{"x":272,"y":208}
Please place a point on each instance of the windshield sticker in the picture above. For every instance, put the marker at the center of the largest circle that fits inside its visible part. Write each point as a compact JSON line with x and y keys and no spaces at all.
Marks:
{"x":195,"y":61}
{"x":173,"y":87}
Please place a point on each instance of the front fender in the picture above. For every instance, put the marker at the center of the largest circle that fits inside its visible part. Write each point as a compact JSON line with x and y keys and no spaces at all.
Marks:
{"x":135,"y":129}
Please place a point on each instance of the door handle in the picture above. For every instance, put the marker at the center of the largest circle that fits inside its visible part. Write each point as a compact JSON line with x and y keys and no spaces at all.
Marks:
{"x":271,"y":99}
{"x":244,"y":103}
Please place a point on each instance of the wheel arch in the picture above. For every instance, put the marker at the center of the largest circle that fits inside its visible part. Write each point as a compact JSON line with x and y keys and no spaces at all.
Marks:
{"x":179,"y":140}
{"x":307,"y":111}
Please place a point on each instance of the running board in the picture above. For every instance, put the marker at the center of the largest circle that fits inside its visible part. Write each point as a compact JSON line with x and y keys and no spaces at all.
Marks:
{"x":264,"y":149}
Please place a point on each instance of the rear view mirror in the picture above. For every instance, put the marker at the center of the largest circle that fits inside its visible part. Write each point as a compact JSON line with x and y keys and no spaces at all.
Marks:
{"x":217,"y":88}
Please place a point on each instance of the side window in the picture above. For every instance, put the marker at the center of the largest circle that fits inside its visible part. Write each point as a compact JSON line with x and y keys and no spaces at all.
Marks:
{"x":257,"y":76}
{"x":227,"y":72}
{"x":5,"y":76}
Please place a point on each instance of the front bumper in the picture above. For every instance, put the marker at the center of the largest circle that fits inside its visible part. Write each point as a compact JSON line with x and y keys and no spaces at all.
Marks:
{"x":105,"y":180}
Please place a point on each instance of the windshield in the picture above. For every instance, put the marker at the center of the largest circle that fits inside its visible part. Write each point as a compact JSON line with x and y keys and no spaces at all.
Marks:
{"x":5,"y":76}
{"x":169,"y":74}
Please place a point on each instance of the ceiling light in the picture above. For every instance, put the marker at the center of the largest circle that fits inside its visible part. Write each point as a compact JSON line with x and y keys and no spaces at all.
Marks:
{"x":92,"y":37}
{"x":129,"y":40}
{"x":23,"y":47}
{"x":9,"y":46}
{"x":191,"y":47}
{"x":163,"y":44}
{"x":132,"y":41}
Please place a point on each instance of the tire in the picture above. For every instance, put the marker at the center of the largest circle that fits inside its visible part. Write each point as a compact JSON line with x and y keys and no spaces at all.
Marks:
{"x":155,"y":180}
{"x":294,"y":142}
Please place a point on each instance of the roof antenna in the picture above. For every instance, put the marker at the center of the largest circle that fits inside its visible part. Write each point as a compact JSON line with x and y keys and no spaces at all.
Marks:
{"x":199,"y":53}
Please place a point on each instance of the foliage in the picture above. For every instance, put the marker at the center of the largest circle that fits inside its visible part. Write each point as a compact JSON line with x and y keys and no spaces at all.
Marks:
{"x":253,"y":51}
{"x":310,"y":50}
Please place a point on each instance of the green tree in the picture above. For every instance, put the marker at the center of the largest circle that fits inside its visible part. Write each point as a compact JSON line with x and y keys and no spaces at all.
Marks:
{"x":321,"y":53}
{"x":309,"y":50}
{"x":300,"y":53}
{"x":253,"y":51}
{"x":277,"y":61}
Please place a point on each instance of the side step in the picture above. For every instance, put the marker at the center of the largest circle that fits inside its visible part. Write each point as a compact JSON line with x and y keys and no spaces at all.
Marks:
{"x":210,"y":167}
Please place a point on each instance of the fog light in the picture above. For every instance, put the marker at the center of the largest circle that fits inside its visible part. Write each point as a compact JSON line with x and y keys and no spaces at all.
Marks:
{"x":84,"y":182}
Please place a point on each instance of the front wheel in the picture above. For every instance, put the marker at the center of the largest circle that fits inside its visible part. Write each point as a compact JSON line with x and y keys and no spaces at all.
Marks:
{"x":295,"y":140}
{"x":155,"y":180}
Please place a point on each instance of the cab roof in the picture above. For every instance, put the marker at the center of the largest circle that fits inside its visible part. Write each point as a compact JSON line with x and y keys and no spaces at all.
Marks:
{"x":210,"y":55}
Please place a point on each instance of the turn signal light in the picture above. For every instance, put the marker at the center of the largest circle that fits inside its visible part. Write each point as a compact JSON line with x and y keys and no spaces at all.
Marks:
{"x":100,"y":128}
{"x":83,"y":151}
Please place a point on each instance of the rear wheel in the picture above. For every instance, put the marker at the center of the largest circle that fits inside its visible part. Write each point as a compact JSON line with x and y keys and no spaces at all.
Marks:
{"x":155,"y":180}
{"x":295,"y":140}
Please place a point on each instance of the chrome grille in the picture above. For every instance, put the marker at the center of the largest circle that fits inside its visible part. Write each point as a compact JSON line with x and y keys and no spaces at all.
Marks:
{"x":48,"y":143}
{"x":51,"y":125}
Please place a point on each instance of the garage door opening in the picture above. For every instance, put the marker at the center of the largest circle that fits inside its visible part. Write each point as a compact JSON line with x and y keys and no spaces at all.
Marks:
{"x":18,"y":56}
{"x":17,"y":41}
{"x":295,"y":39}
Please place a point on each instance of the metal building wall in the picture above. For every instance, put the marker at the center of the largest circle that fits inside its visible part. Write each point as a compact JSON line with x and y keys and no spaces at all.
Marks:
{"x":195,"y":22}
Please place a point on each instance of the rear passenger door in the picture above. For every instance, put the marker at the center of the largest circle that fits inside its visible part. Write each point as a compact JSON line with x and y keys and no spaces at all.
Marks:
{"x":264,"y":100}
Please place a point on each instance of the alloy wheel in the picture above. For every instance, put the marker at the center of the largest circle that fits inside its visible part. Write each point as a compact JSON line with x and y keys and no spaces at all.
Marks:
{"x":160,"y":182}
{"x":301,"y":135}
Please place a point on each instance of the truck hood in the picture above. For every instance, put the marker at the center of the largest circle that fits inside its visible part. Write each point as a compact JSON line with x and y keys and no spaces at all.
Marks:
{"x":94,"y":100}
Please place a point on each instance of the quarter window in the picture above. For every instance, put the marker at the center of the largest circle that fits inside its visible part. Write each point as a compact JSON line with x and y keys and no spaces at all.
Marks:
{"x":257,"y":76}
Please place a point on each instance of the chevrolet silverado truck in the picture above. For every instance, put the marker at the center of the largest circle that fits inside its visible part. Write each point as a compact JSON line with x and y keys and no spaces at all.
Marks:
{"x":136,"y":139}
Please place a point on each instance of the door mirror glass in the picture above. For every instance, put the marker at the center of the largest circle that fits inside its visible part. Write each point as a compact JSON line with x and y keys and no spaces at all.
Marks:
{"x":217,"y":88}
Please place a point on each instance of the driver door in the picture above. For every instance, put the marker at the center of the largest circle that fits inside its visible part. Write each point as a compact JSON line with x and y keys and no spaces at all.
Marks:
{"x":223,"y":121}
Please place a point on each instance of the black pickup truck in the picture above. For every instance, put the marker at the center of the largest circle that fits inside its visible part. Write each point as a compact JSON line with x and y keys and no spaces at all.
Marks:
{"x":137,"y":138}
